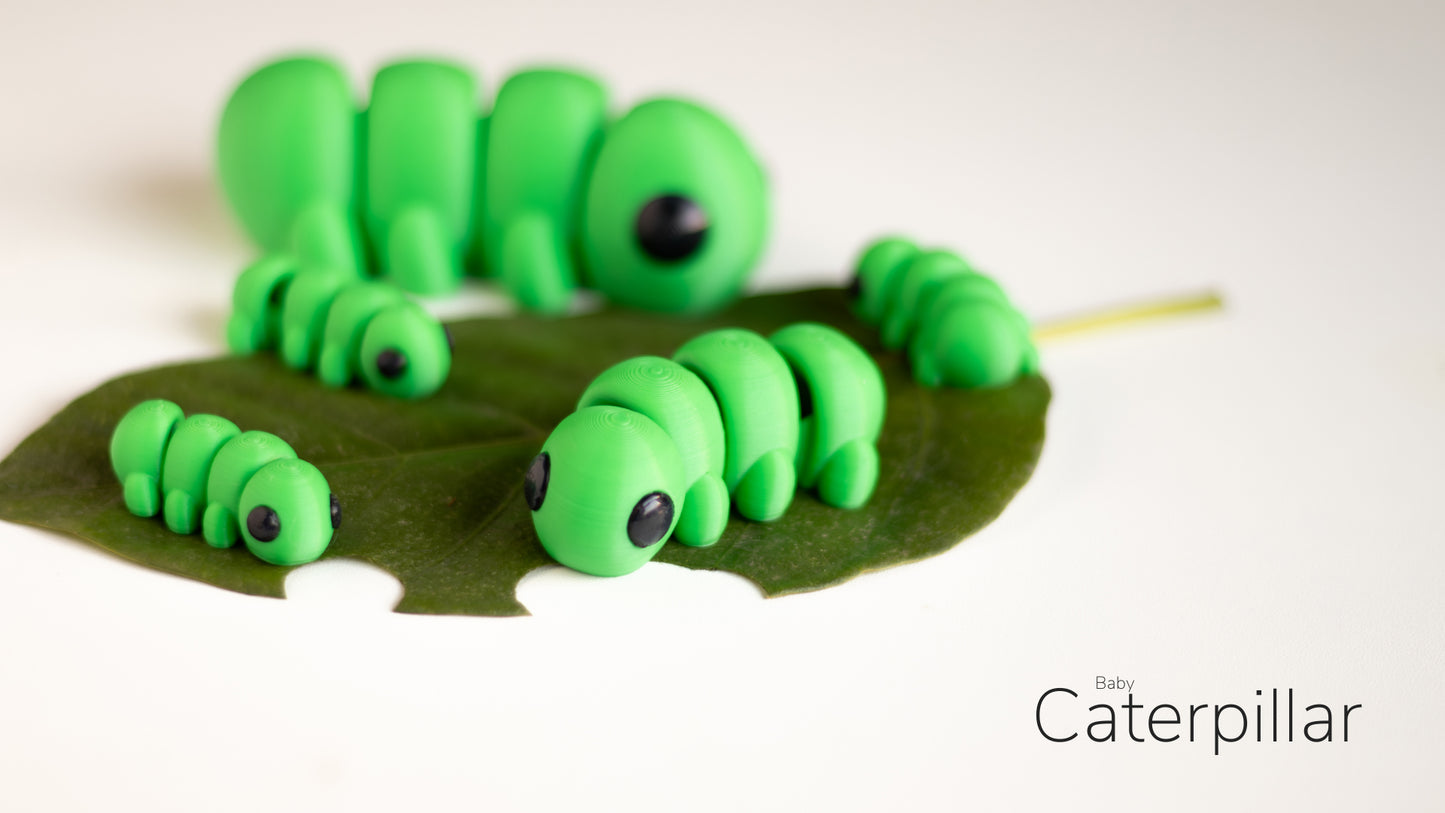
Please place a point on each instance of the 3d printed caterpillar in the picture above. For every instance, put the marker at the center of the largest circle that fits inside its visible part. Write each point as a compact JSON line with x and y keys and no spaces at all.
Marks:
{"x":658,"y":446}
{"x":343,"y":327}
{"x":958,"y":326}
{"x":664,"y":209}
{"x":203,"y":472}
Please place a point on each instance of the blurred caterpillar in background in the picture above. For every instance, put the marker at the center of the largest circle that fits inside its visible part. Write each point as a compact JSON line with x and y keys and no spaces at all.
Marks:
{"x":659,"y":447}
{"x":957,"y":325}
{"x":204,"y":473}
{"x":663,"y":209}
{"x":342,"y":327}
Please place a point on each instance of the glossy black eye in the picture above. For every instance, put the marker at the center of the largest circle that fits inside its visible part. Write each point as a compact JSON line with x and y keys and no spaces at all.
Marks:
{"x":650,"y":519}
{"x":263,"y":524}
{"x":335,"y":512}
{"x":390,"y":363}
{"x":535,"y":487}
{"x":670,"y":228}
{"x":451,"y":342}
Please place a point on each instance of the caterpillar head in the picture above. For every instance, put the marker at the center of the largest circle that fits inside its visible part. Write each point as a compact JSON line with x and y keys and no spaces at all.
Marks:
{"x":405,"y":352}
{"x":606,"y":490}
{"x":288,"y":513}
{"x":675,"y":212}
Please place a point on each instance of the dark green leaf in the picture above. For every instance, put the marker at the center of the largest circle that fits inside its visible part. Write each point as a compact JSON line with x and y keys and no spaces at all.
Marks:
{"x":431,"y":490}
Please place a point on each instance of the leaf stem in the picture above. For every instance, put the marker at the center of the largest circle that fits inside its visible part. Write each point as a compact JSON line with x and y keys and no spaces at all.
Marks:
{"x":1203,"y":302}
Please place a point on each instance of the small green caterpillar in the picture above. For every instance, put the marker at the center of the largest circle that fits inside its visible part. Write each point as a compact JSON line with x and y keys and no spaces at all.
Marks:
{"x":343,"y":327}
{"x":660,"y":446}
{"x":202,"y":472}
{"x":958,"y":326}
{"x":662,"y":209}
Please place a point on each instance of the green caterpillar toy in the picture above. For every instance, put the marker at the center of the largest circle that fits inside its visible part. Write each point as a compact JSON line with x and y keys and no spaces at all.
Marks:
{"x":202,"y":472}
{"x":342,"y":327}
{"x":957,"y":325}
{"x":659,"y":447}
{"x":663,"y":209}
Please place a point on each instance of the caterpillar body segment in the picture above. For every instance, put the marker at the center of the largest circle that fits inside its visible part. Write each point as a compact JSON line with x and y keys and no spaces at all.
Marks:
{"x":661,"y":447}
{"x":421,"y":131}
{"x":664,"y":208}
{"x":956,"y":325}
{"x":288,"y":163}
{"x":759,"y":404}
{"x":203,"y":473}
{"x":342,"y":327}
{"x":543,"y":132}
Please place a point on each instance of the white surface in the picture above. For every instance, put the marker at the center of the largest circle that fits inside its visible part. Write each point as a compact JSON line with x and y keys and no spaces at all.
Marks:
{"x":1225,"y":504}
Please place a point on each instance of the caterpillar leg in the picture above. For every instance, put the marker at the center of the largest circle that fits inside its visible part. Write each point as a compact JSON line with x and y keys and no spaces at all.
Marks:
{"x":182,"y":512}
{"x":542,"y":137}
{"x":138,"y":449}
{"x":704,"y":512}
{"x":766,"y":490}
{"x":218,"y":525}
{"x":187,"y":467}
{"x":421,"y":151}
{"x":255,"y":322}
{"x":850,"y":475}
{"x":288,"y":161}
{"x":142,"y":494}
{"x":534,"y":265}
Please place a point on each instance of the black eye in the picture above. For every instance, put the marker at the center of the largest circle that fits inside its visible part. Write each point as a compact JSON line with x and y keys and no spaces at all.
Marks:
{"x":263,"y":524}
{"x":390,"y":363}
{"x":335,"y":512}
{"x":670,"y":228}
{"x":650,"y":519}
{"x":855,"y":287}
{"x":451,"y":342}
{"x":535,"y":487}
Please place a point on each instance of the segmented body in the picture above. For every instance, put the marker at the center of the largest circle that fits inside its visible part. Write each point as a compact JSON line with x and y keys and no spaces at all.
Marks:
{"x":203,"y":473}
{"x":663,"y":209}
{"x":957,"y":325}
{"x":662,"y":447}
{"x":341,"y":327}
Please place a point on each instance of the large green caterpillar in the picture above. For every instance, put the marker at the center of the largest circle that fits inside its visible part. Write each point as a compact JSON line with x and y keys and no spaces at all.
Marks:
{"x":661,"y":447}
{"x":958,"y":327}
{"x":343,"y":327}
{"x":204,"y":473}
{"x":662,"y":209}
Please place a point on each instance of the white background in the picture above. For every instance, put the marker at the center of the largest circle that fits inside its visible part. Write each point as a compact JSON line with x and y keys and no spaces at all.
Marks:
{"x":1230,"y":503}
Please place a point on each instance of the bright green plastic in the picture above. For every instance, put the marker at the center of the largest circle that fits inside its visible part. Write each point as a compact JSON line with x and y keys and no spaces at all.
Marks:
{"x":287,"y":162}
{"x":187,"y":469}
{"x":338,"y":326}
{"x":137,"y":451}
{"x":235,"y":464}
{"x":673,"y":147}
{"x":759,"y":403}
{"x":680,"y":403}
{"x":541,"y":193}
{"x":838,"y":434}
{"x":718,"y":425}
{"x":924,"y":271}
{"x":543,"y":135}
{"x":957,"y":325}
{"x":421,"y":142}
{"x":299,"y":495}
{"x":603,"y":460}
{"x":877,"y":276}
{"x":205,"y":474}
